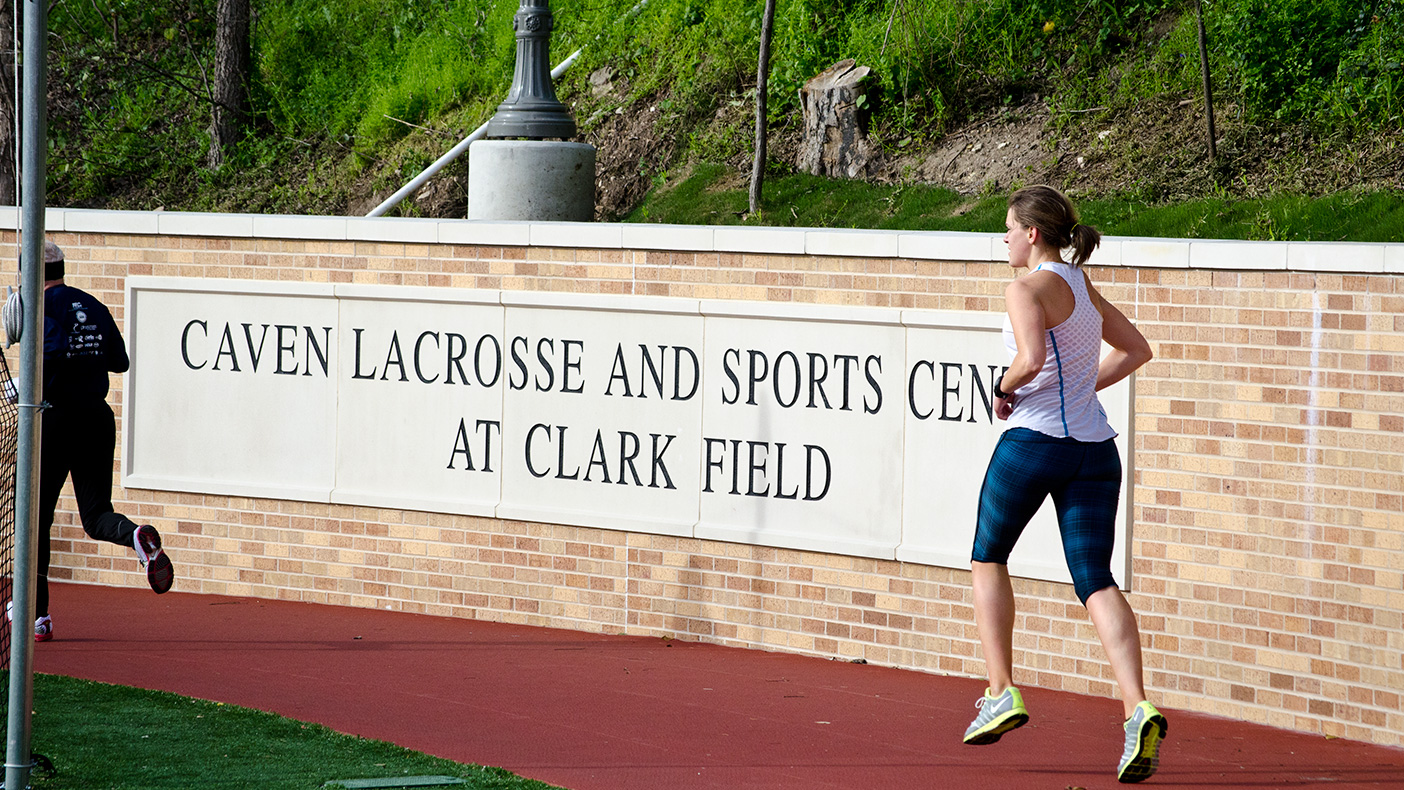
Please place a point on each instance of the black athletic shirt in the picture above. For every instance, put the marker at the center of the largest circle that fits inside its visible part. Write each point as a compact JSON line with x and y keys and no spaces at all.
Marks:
{"x":81,"y":346}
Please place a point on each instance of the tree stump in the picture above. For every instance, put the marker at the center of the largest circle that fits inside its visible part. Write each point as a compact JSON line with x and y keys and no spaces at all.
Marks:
{"x":834,"y":140}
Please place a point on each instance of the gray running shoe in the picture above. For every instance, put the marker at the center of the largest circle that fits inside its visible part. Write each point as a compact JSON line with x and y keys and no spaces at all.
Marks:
{"x":1144,"y":732}
{"x":998,"y":715}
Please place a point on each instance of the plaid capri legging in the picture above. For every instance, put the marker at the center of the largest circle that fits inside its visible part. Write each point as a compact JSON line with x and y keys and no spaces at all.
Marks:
{"x":1084,"y":479}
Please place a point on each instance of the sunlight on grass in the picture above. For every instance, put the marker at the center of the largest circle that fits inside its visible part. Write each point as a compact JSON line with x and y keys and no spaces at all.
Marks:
{"x":712,"y":195}
{"x":121,"y":738}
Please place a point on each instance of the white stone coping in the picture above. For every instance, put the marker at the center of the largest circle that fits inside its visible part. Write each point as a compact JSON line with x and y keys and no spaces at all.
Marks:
{"x":664,"y":305}
{"x":1334,"y":257}
{"x":809,"y":313}
{"x":417,"y":293}
{"x":257,"y":287}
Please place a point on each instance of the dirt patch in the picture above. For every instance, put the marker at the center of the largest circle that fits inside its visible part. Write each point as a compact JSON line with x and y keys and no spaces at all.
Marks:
{"x":1156,"y":152}
{"x":986,"y":156}
{"x":630,"y":148}
{"x":634,"y":141}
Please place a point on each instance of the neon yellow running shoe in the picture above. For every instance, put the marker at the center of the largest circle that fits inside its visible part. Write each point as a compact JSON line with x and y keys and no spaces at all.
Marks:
{"x":998,"y":715}
{"x":1144,"y":731}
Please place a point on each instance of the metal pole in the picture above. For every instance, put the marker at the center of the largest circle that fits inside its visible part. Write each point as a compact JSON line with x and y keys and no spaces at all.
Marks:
{"x":31,"y":388}
{"x":762,"y":80}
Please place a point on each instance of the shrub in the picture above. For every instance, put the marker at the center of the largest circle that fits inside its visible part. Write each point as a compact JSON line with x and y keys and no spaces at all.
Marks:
{"x":1303,"y":58}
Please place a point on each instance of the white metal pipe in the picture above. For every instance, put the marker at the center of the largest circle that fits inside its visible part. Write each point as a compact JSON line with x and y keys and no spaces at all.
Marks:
{"x":429,"y":172}
{"x":455,"y":152}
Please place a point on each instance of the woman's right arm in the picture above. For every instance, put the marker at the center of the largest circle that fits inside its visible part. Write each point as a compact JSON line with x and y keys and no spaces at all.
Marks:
{"x":1026,"y":318}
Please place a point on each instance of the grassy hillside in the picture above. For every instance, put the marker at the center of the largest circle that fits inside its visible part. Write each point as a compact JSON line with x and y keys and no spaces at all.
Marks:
{"x":353,"y":97}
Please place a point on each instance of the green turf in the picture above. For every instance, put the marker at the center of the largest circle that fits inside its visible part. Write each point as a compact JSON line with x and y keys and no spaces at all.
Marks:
{"x":104,"y":737}
{"x":709,"y":195}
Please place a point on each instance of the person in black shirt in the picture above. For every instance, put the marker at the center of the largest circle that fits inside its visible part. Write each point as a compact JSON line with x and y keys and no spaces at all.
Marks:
{"x":81,"y":347}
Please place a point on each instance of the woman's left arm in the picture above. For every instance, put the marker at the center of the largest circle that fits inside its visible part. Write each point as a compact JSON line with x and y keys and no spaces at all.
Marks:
{"x":1130,"y":349}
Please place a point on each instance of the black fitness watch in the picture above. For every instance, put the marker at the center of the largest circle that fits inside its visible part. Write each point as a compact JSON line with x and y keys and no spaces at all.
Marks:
{"x":999,"y":393}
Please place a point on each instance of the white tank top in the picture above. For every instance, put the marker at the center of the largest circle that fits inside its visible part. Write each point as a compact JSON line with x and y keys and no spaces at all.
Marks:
{"x":1062,"y":400}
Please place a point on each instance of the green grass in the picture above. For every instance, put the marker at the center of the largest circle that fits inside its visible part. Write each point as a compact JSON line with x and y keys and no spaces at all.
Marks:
{"x":709,"y":195}
{"x":104,"y":737}
{"x":338,"y":88}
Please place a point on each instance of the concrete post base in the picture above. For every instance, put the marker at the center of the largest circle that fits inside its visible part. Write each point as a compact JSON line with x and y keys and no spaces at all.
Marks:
{"x":531,"y":180}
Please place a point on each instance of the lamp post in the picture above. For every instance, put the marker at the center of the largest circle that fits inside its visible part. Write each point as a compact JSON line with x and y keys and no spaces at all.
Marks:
{"x":526,"y":168}
{"x":531,"y":109}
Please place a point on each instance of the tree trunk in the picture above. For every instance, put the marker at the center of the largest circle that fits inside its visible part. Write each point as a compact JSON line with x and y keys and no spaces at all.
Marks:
{"x":8,"y":151}
{"x":834,"y":143}
{"x":762,"y":80}
{"x":231,"y":78}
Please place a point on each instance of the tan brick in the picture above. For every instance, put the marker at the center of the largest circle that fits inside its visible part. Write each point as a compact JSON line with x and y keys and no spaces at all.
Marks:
{"x":1269,"y":470}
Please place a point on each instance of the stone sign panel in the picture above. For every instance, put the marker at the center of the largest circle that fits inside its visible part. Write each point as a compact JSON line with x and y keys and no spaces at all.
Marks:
{"x":853,"y":431}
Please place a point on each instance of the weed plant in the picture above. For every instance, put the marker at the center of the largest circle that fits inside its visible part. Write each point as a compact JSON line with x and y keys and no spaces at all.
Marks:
{"x":1329,"y":61}
{"x":117,"y":119}
{"x":362,"y":70}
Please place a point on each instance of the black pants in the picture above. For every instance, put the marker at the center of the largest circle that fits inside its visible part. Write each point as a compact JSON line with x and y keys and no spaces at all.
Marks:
{"x":78,"y":439}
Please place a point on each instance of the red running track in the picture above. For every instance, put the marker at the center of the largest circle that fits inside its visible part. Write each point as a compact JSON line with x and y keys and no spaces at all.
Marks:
{"x":596,"y":712}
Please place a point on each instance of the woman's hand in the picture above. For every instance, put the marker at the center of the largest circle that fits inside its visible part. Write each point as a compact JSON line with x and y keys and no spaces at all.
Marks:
{"x":1004,"y":406}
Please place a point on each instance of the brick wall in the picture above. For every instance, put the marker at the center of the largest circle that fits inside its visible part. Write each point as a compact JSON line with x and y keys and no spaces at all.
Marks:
{"x":1269,"y":504}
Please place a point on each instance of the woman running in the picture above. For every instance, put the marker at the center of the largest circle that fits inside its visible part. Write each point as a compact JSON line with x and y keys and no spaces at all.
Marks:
{"x":1058,"y":444}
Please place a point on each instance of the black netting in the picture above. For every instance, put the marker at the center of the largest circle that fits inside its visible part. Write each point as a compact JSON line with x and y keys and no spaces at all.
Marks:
{"x":9,"y":441}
